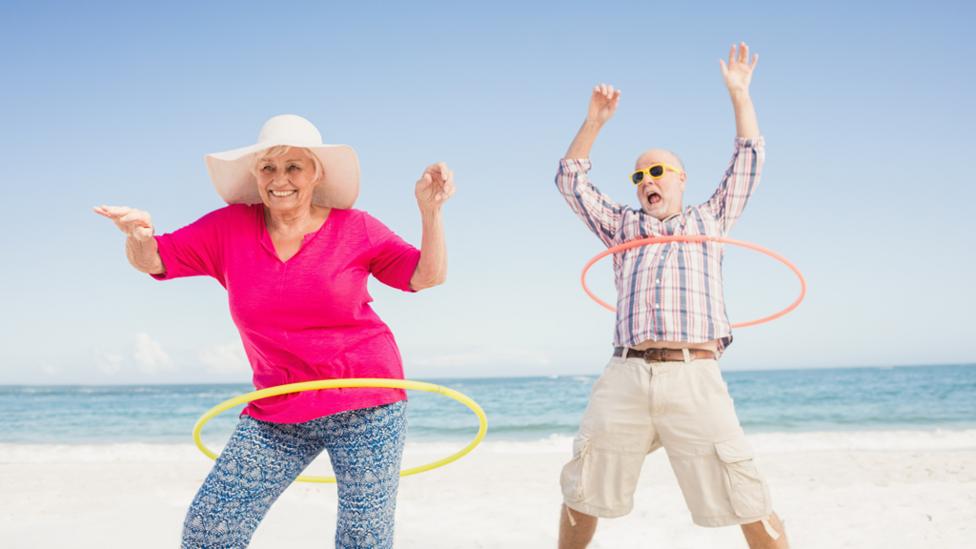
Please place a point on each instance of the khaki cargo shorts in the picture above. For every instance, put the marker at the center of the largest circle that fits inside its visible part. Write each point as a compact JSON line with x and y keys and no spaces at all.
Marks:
{"x":637,"y":407}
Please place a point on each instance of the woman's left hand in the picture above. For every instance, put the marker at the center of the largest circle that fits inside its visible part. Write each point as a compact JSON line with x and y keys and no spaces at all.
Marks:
{"x":434,"y":187}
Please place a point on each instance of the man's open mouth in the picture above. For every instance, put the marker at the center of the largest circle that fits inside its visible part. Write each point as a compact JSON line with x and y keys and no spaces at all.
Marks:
{"x":653,"y":198}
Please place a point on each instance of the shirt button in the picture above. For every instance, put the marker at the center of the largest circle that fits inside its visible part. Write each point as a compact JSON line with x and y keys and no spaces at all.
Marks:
{"x":657,"y":281}
{"x":657,"y":305}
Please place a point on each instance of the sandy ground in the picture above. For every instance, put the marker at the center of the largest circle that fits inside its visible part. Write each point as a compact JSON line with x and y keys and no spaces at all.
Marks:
{"x":859,"y":490}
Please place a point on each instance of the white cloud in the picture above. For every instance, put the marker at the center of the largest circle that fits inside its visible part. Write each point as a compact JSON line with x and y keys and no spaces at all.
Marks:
{"x":109,"y":362}
{"x":225,"y":359}
{"x":150,"y":356}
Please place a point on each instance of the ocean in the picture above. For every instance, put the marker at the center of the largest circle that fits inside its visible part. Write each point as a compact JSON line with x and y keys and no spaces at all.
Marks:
{"x":918,"y":398}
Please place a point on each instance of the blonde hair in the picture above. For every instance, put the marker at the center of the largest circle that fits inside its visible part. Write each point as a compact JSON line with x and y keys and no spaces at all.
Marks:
{"x":279,"y":150}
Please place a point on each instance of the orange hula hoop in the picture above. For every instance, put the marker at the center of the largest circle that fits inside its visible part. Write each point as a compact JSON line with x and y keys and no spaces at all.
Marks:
{"x":693,"y":239}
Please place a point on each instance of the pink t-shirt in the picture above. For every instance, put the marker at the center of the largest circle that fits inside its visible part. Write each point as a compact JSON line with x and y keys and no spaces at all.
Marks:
{"x":307,"y":318}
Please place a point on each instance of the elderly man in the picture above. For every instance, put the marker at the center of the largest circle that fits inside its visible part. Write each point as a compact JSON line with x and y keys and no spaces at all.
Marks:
{"x":663,"y":386}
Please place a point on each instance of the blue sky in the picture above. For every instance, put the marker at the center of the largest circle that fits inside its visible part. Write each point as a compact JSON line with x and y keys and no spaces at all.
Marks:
{"x":868,"y":116}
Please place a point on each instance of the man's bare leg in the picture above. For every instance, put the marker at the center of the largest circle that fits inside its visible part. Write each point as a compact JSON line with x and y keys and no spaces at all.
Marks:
{"x":575,"y":529}
{"x":758,"y":538}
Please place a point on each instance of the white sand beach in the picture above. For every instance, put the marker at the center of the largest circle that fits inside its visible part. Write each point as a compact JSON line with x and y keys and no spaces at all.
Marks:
{"x":896,"y":489}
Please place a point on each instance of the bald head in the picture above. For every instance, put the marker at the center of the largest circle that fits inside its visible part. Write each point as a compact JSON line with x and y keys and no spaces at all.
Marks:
{"x":654,"y":156}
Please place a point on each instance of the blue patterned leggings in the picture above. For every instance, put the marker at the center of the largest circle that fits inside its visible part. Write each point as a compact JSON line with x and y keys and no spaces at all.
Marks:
{"x":263,"y":458}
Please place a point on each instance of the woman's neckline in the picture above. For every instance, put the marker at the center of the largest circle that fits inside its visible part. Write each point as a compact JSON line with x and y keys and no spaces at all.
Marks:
{"x":263,"y":218}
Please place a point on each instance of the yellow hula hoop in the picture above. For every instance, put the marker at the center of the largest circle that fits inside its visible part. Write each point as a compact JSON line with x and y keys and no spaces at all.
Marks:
{"x":351,"y":383}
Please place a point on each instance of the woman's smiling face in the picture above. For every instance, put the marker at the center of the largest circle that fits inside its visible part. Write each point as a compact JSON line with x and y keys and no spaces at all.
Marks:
{"x":286,"y":180}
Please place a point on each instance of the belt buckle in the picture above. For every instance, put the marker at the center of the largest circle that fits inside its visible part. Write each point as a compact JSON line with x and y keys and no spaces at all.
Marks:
{"x":655,"y":355}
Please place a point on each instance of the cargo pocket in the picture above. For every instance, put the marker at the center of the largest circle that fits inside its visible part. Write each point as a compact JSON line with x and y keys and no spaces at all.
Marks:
{"x":747,"y":489}
{"x":572,"y":479}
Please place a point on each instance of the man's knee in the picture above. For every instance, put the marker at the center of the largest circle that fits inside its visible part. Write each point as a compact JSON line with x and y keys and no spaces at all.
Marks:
{"x":768,"y":532}
{"x":576,"y":529}
{"x":576,"y":517}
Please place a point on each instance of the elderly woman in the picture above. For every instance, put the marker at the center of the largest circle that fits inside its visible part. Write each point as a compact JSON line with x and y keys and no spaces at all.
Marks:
{"x":294,"y":258}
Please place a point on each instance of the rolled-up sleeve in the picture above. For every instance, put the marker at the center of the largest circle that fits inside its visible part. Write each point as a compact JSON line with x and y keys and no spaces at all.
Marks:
{"x":393,"y":261}
{"x":600,"y":213}
{"x":738,"y":183}
{"x":194,"y":250}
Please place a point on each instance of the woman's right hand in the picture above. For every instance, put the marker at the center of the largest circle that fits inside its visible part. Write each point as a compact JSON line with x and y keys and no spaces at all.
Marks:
{"x":134,"y":223}
{"x":603,"y":103}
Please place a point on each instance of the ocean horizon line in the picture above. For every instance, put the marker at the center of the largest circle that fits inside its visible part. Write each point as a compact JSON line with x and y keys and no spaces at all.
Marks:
{"x":105,"y":383}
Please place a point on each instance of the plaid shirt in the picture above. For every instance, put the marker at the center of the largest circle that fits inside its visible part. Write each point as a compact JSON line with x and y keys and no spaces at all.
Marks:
{"x":673,"y":291}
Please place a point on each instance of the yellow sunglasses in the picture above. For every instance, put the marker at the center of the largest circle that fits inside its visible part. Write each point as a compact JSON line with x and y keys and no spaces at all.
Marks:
{"x":654,"y":171}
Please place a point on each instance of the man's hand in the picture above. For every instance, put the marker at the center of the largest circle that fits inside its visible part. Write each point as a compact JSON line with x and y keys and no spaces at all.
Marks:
{"x":738,"y":76}
{"x":603,"y":103}
{"x":738,"y":72}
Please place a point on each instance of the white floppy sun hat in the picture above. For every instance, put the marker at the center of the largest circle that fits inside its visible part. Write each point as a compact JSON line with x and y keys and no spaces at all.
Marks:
{"x":232,"y":176}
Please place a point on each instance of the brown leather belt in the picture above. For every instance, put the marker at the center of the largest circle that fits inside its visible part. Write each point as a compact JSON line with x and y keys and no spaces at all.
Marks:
{"x":662,"y":355}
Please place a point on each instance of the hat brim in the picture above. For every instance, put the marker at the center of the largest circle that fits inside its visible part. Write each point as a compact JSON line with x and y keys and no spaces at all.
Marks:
{"x":231,"y":174}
